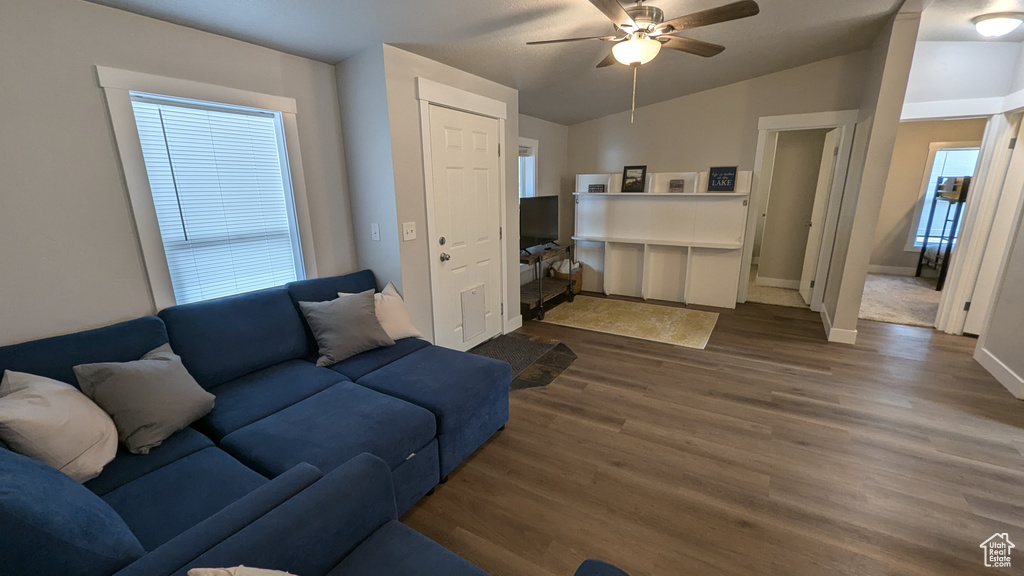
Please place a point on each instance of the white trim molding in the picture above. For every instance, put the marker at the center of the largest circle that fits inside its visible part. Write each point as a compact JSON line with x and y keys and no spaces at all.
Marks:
{"x":459,"y":99}
{"x":1007,"y":377}
{"x":116,"y":85}
{"x":839,"y":335}
{"x":777,"y":283}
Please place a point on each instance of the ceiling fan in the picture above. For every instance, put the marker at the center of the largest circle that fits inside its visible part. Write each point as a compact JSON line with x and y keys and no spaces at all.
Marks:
{"x":641,"y":31}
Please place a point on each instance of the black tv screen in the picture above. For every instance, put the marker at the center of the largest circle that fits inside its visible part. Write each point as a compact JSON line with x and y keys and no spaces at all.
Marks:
{"x":538,"y":221}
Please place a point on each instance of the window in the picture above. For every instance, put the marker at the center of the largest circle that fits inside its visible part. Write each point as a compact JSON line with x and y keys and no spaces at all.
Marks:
{"x":219,"y":176}
{"x":527,"y":168}
{"x":946,"y":161}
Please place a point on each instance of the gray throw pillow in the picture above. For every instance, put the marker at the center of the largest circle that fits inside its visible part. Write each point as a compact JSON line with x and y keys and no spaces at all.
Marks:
{"x":345,"y":326}
{"x":148,"y":399}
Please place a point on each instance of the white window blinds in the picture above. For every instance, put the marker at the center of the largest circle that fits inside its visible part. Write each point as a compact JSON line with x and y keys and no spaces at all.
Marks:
{"x":223,"y":196}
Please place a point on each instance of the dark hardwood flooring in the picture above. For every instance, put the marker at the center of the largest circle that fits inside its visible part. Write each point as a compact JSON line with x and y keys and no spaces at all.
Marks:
{"x":770,"y":452}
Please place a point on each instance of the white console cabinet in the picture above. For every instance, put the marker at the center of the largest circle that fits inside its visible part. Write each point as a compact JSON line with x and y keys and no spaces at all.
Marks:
{"x":658,"y":245}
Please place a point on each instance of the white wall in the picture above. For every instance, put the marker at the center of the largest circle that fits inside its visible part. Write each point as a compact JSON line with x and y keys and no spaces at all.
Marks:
{"x":553,"y":177}
{"x":401,"y":70}
{"x":873,"y":144}
{"x":362,"y":94}
{"x":1000,"y":344}
{"x":962,"y":70}
{"x":69,"y":256}
{"x":716,"y":127}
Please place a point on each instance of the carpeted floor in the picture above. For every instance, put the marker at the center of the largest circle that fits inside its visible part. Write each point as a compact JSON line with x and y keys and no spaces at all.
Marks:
{"x":535,"y":361}
{"x":900,"y":300}
{"x":679,"y":326}
{"x":771,"y":294}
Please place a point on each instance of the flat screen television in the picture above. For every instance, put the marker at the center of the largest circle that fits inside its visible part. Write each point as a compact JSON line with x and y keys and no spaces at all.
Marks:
{"x":538,"y":221}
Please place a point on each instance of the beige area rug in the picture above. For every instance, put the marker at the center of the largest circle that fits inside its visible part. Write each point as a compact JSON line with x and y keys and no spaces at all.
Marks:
{"x":900,"y":300}
{"x":771,"y":294}
{"x":679,"y":326}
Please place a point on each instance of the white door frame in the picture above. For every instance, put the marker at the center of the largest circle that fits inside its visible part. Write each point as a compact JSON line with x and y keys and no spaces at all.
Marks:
{"x":979,"y":216}
{"x":846,"y":121}
{"x":430,"y":93}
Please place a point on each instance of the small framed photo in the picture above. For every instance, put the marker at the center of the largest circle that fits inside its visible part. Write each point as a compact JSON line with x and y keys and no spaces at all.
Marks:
{"x":634,"y":178}
{"x":677,"y":186}
{"x":722,"y":179}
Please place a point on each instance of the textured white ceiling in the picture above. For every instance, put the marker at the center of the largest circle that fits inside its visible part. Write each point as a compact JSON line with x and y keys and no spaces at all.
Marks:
{"x":555,"y":82}
{"x":950,"y":20}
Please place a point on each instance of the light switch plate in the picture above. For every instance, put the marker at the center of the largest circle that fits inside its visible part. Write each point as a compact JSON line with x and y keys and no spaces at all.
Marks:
{"x":408,"y":231}
{"x":375,"y":231}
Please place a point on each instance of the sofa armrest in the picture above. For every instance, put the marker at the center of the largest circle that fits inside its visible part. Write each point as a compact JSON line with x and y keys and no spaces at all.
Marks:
{"x":175,"y":553}
{"x":315,"y":529}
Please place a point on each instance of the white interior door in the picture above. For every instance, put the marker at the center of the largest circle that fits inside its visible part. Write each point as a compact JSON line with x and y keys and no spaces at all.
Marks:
{"x":464,"y":232}
{"x":815,"y":226}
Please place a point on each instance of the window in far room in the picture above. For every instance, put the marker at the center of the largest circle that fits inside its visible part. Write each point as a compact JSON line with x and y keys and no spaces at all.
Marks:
{"x":220,"y":181}
{"x":953,"y":161}
{"x":527,"y":167}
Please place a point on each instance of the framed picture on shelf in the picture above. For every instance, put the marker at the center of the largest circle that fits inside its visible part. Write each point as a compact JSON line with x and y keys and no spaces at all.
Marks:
{"x":595,"y":189}
{"x":677,"y":186}
{"x":722,"y":178}
{"x":634,"y":178}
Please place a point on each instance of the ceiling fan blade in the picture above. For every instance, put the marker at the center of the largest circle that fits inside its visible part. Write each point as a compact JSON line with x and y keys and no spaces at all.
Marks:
{"x":691,"y":46}
{"x":733,"y":11}
{"x":615,"y":12}
{"x":536,"y":42}
{"x":608,"y":61}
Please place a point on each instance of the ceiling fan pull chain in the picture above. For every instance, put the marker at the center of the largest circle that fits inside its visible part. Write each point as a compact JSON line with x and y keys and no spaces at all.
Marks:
{"x":632,"y":111}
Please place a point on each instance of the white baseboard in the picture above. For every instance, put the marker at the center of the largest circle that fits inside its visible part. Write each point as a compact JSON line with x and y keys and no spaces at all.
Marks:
{"x":833,"y":334}
{"x":514,"y":324}
{"x":777,"y":283}
{"x":892,"y":270}
{"x":1007,"y":377}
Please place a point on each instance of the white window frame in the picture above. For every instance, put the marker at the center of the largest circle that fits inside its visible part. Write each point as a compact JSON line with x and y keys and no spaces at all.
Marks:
{"x":924,"y":194}
{"x":116,"y":85}
{"x":533,"y":145}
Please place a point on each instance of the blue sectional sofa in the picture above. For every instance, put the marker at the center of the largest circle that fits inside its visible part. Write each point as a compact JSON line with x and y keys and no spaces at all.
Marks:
{"x":297,"y":467}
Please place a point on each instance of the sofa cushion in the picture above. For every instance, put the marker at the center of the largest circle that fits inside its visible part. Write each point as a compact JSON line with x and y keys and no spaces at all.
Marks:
{"x":51,"y":524}
{"x":175,"y":497}
{"x":126,"y":466}
{"x":593,"y":567}
{"x":330,"y":428}
{"x":55,"y":357}
{"x":362,"y":364}
{"x":149,"y":398}
{"x":397,"y":550}
{"x":321,"y":289}
{"x":220,"y":340}
{"x":468,"y":394}
{"x":245,"y":400}
{"x":55,"y":423}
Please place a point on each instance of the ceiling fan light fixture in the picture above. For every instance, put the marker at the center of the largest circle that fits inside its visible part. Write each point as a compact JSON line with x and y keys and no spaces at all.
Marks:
{"x":637,"y":50}
{"x":997,"y":24}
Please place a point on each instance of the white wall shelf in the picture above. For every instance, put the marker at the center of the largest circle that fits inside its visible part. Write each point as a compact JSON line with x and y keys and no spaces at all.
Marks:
{"x":682,"y":247}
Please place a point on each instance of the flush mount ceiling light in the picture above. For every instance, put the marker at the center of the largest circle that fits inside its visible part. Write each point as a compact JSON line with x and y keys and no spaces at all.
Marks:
{"x":998,"y":24}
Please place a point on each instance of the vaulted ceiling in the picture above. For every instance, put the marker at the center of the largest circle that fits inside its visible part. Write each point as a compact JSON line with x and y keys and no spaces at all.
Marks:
{"x":556,"y":82}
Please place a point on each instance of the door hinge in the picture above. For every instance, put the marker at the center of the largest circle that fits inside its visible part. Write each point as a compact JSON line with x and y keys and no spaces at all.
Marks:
{"x":499,"y":149}
{"x":812,"y":283}
{"x":836,"y":151}
{"x":502,"y":308}
{"x":1013,"y":143}
{"x":967,"y":306}
{"x":501,"y":232}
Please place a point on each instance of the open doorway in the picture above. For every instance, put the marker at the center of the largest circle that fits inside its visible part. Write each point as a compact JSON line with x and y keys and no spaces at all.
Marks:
{"x":923,"y":209}
{"x":799,"y":170}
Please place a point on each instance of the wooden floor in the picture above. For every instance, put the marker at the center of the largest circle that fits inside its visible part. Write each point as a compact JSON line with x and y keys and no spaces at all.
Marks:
{"x":770,"y":452}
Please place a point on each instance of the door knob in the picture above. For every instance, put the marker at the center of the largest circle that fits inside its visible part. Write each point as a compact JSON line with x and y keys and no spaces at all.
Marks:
{"x":445,"y":257}
{"x":441,"y":240}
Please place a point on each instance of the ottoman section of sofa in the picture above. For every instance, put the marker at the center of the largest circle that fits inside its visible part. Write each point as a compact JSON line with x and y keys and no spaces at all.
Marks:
{"x":397,"y":550}
{"x":168,"y":501}
{"x":468,"y":394}
{"x":255,"y":396}
{"x":333,"y":426}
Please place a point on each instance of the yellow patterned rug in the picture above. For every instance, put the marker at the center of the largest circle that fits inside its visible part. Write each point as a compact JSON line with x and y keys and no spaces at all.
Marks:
{"x":679,"y":326}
